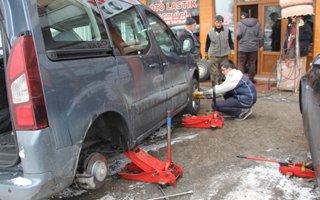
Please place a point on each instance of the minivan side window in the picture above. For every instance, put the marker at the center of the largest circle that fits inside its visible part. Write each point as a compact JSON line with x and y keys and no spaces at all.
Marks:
{"x":71,"y":24}
{"x":129,"y":33}
{"x":161,"y":32}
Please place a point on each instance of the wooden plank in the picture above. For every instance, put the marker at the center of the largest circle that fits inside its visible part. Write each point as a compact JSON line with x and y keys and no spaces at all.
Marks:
{"x":206,"y":14}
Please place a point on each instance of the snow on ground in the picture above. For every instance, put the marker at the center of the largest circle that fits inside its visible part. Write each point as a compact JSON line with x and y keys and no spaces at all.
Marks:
{"x":261,"y":182}
{"x":70,"y":192}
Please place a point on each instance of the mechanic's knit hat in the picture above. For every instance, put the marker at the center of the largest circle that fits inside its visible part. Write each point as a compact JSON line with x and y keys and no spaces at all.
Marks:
{"x":219,"y":18}
{"x":190,"y":21}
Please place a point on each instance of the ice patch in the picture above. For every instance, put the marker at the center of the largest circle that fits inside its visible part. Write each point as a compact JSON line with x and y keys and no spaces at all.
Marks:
{"x":21,"y":153}
{"x":263,"y":182}
{"x":155,"y":147}
{"x":107,"y":197}
{"x":70,"y":192}
{"x":20,"y":181}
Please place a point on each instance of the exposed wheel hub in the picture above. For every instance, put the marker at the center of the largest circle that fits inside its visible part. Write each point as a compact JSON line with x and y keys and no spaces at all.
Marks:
{"x":95,"y":172}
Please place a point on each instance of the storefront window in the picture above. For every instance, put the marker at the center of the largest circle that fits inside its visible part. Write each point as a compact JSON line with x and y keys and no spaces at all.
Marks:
{"x":310,"y":21}
{"x":272,"y":28}
{"x":225,"y":8}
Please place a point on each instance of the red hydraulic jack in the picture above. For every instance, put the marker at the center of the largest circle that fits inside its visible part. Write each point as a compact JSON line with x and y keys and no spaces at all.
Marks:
{"x":147,"y":168}
{"x":288,"y":168}
{"x":212,"y":120}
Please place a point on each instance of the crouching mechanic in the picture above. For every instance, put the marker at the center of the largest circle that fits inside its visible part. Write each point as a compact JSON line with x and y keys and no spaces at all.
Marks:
{"x":239,"y":93}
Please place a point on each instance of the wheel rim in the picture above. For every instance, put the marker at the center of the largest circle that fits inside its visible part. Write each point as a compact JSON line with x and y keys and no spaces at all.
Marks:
{"x":97,"y":166}
{"x":202,"y":71}
{"x":195,"y":102}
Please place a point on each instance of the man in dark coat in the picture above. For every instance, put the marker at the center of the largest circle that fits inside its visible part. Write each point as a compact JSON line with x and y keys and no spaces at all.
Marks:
{"x":188,"y":33}
{"x":276,"y":32}
{"x":305,"y":37}
{"x":250,"y":39}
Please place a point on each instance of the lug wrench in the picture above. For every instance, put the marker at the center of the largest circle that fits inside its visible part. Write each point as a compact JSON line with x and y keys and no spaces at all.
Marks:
{"x":173,"y":195}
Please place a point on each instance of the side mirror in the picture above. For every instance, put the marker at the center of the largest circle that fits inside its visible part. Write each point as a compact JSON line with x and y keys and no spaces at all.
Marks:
{"x":187,"y":46}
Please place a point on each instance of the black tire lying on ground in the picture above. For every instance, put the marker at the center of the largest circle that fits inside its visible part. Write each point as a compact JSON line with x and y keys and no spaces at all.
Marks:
{"x":204,"y":73}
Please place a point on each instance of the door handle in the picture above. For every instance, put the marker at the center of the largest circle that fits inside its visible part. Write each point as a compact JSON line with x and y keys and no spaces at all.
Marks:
{"x":154,"y":65}
{"x":165,"y":64}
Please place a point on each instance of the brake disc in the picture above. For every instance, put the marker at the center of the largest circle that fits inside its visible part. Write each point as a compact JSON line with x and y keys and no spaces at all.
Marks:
{"x":96,"y":171}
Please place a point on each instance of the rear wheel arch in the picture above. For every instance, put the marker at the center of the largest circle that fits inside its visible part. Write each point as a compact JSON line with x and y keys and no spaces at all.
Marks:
{"x":111,"y":126}
{"x":108,"y":133}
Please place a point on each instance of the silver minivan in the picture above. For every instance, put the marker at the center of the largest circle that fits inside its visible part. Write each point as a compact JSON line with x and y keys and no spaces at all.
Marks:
{"x":80,"y":78}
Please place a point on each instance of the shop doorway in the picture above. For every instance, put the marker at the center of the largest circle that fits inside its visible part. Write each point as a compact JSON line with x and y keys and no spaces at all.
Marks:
{"x":253,"y":11}
{"x":273,"y":27}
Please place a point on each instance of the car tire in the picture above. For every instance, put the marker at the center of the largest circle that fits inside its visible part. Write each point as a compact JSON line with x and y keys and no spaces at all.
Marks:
{"x":193,"y":104}
{"x":203,"y":66}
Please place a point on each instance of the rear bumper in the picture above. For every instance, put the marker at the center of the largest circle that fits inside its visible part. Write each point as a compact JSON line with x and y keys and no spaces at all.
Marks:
{"x":33,"y":187}
{"x":44,"y":170}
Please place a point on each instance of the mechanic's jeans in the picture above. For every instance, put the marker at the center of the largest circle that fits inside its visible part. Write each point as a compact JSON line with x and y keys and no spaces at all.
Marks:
{"x":215,"y":69}
{"x":230,"y":106}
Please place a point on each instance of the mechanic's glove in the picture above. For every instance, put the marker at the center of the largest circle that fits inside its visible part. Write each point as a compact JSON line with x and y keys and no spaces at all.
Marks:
{"x":202,"y":95}
{"x":197,"y":95}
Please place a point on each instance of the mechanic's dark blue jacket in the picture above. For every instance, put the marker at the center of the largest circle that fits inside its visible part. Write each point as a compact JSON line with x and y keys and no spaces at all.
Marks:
{"x":239,"y":86}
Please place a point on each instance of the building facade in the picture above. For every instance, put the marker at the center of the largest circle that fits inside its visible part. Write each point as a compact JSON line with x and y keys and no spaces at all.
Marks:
{"x":268,"y":12}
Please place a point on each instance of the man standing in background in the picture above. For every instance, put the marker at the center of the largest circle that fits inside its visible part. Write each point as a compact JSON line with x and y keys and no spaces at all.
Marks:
{"x":250,"y":39}
{"x":218,"y":46}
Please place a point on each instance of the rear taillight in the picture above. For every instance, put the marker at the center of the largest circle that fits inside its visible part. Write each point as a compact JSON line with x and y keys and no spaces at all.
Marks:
{"x":25,"y":88}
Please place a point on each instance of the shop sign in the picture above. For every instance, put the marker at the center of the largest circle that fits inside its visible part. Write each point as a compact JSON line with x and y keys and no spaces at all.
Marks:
{"x":175,"y":12}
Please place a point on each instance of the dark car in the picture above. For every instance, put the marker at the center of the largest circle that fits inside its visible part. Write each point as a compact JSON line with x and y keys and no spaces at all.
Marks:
{"x":310,"y":109}
{"x":80,"y":78}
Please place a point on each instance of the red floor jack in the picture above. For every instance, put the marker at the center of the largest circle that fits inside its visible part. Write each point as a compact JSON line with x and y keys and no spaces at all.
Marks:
{"x":289,"y":168}
{"x":212,"y":120}
{"x":147,"y":168}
